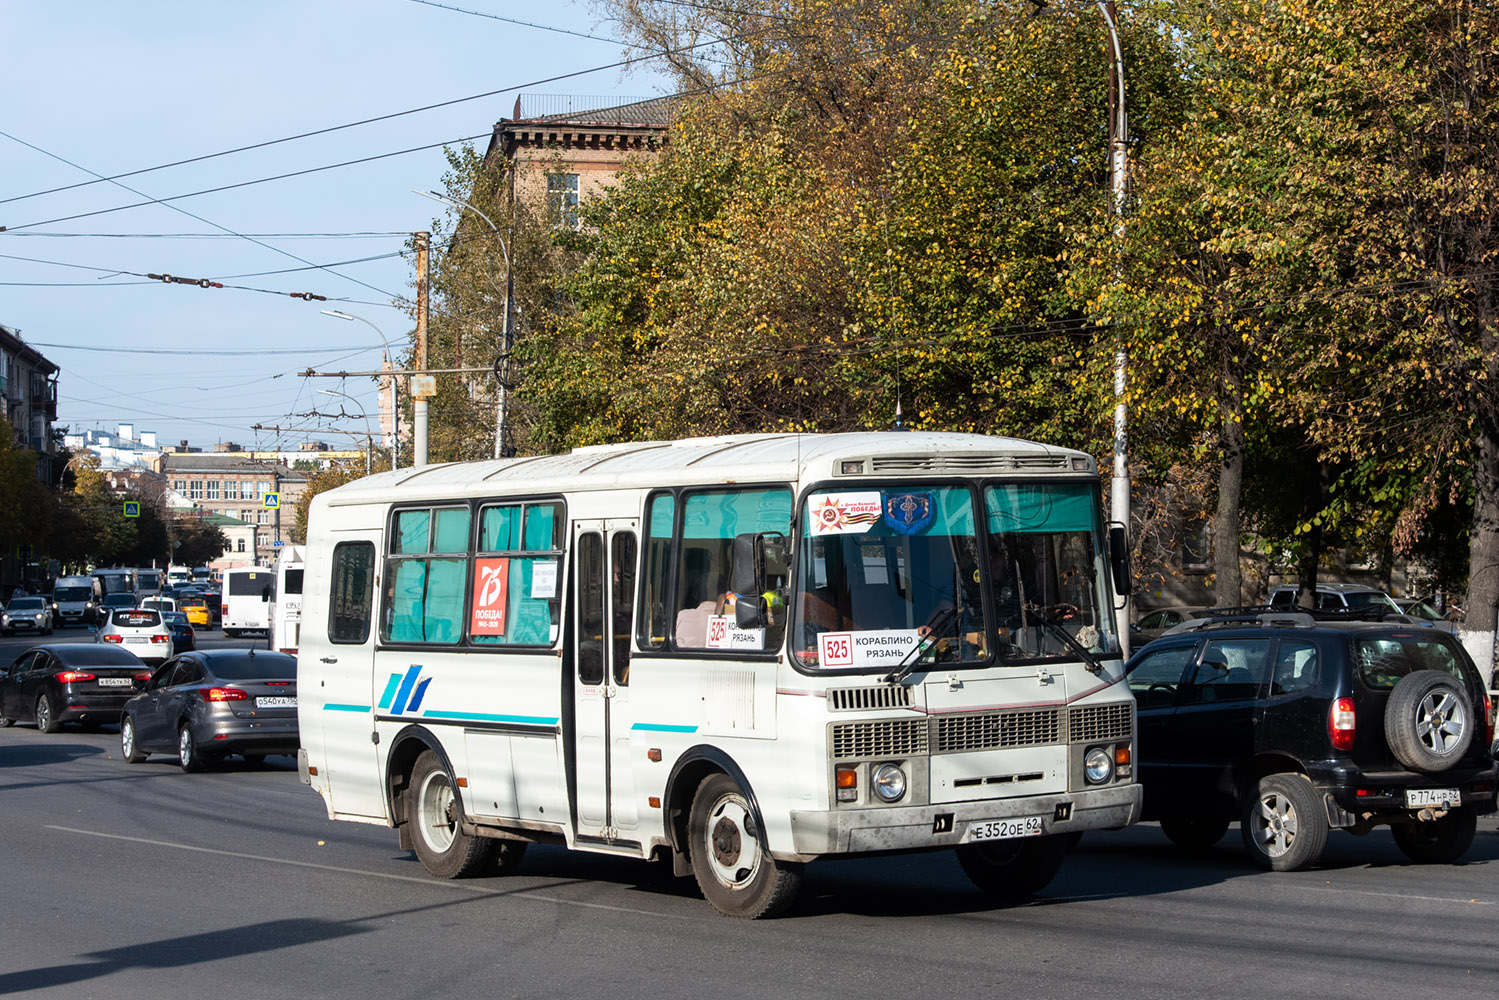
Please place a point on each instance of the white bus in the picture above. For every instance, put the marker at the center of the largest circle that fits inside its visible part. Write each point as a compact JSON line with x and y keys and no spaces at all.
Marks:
{"x":245,"y":600}
{"x":148,"y":582}
{"x":118,"y":580}
{"x":286,"y":600}
{"x":739,"y":654}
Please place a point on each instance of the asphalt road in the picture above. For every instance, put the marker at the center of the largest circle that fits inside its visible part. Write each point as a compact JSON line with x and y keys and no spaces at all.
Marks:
{"x":140,"y":881}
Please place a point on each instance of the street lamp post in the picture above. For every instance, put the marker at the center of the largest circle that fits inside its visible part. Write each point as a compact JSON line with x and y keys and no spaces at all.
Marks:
{"x":502,"y":393}
{"x":368,"y":437}
{"x":1119,"y":499}
{"x":395,"y":387}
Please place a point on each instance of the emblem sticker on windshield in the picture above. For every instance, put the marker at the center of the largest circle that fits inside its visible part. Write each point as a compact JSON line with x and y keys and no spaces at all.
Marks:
{"x":908,"y":513}
{"x":844,"y":513}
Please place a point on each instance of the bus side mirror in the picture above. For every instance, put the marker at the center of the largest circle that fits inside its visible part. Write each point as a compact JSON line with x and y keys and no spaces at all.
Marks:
{"x":1119,"y":560}
{"x":759,"y":567}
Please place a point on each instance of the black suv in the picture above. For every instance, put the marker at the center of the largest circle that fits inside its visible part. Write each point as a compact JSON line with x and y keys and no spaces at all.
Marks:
{"x":1295,"y":725}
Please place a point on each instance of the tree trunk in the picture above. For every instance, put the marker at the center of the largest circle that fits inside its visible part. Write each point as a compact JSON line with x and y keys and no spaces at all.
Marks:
{"x":1483,"y":546}
{"x":1228,"y":586}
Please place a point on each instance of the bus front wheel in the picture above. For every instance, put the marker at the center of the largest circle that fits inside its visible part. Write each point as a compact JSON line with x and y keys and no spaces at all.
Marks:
{"x":734,"y":871}
{"x":433,"y":811}
{"x":1013,"y":869}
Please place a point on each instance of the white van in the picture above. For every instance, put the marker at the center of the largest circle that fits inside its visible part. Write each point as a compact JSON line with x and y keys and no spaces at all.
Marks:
{"x":286,"y":600}
{"x":116,"y":581}
{"x":77,"y":599}
{"x":246,"y":600}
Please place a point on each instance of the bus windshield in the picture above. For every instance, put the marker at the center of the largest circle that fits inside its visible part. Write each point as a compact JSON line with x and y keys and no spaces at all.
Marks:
{"x":881,"y":572}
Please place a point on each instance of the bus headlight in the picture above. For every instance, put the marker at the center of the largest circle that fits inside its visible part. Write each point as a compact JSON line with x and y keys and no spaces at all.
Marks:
{"x":1098,"y":766}
{"x":889,"y":783}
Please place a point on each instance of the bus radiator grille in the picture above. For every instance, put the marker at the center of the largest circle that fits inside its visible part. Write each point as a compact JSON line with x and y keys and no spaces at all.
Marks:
{"x":890,"y":738}
{"x":997,"y":730}
{"x":1100,"y":722}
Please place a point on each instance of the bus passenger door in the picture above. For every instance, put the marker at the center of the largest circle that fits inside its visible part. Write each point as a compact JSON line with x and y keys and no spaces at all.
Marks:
{"x":604,"y":606}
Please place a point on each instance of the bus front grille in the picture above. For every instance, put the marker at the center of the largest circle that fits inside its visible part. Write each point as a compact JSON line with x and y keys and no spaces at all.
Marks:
{"x":997,"y":730}
{"x":888,"y":738}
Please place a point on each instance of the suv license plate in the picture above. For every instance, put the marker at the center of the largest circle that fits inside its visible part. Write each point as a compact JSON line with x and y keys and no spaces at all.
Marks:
{"x":1415,"y":798}
{"x":1003,"y":829}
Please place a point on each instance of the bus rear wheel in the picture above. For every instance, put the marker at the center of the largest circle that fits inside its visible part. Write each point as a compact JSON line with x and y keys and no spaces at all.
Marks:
{"x":734,"y":871}
{"x":432,"y":810}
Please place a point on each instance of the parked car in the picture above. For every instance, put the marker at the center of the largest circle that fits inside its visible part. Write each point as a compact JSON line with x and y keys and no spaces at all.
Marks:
{"x":1153,"y":624}
{"x":140,"y":630}
{"x":1423,"y":611}
{"x":1296,"y":726}
{"x":117,"y":600}
{"x":53,"y":684}
{"x":205,"y":705}
{"x":184,"y":639}
{"x":196,"y":608}
{"x":1335,"y":596}
{"x":27,"y":614}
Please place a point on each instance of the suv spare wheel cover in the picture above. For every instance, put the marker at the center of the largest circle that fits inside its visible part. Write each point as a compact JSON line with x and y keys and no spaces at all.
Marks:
{"x":1428,"y":721}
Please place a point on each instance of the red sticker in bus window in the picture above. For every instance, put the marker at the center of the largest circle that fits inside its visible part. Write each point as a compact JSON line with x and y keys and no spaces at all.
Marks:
{"x":491,"y":580}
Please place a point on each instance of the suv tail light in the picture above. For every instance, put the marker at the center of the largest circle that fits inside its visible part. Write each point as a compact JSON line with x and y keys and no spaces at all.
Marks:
{"x":225,"y":694}
{"x":160,"y":638}
{"x":114,"y":638}
{"x":71,"y":676}
{"x":1341,"y":724}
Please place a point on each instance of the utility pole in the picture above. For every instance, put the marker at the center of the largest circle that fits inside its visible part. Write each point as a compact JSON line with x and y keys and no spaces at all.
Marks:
{"x":422,"y":386}
{"x":1119,"y":499}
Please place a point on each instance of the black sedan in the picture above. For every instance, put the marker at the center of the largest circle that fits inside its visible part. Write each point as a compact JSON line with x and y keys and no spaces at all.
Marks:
{"x":184,"y":639}
{"x":208,"y":704}
{"x":76,"y":682}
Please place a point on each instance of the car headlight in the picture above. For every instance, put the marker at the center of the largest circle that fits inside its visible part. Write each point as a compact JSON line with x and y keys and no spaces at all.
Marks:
{"x":889,"y":783}
{"x":1098,"y":766}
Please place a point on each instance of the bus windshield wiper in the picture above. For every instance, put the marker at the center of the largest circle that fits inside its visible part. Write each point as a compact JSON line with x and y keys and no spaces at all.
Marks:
{"x":1094,"y":664}
{"x":912,"y":660}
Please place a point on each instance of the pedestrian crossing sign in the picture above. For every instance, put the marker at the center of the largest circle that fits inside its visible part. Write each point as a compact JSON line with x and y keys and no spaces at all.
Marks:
{"x":271,"y":501}
{"x":132,"y":508}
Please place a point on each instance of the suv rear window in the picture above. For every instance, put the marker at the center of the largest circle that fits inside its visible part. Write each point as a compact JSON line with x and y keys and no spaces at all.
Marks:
{"x":1382,"y":659}
{"x":137,"y":619}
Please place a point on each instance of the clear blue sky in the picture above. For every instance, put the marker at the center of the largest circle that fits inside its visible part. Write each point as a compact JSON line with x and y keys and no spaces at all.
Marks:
{"x":116,"y":87}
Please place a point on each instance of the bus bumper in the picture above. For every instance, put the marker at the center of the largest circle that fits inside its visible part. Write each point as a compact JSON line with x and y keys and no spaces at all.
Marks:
{"x":859,"y":831}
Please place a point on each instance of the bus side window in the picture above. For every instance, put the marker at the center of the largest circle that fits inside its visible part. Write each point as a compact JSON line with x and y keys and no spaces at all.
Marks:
{"x":622,"y":600}
{"x":353,"y":591}
{"x":654,"y":597}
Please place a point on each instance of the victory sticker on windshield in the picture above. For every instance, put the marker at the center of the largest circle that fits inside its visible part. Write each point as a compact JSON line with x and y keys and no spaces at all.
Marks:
{"x":844,"y":513}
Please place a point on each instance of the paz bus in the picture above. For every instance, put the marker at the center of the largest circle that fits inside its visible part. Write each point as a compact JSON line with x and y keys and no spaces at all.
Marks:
{"x":737,"y":655}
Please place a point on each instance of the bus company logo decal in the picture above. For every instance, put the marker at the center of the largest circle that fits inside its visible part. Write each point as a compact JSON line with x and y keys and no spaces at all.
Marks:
{"x":399,"y":697}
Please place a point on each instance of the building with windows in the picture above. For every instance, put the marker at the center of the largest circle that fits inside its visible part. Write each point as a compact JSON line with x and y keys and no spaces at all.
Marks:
{"x":566,"y":150}
{"x":236,"y":486}
{"x":28,"y":389}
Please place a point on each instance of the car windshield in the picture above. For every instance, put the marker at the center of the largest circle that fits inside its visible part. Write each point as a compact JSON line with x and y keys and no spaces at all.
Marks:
{"x":1371,"y":599}
{"x":883,"y":571}
{"x":72,"y":594}
{"x":1383,"y":658}
{"x":257,"y":666}
{"x":26,"y":604}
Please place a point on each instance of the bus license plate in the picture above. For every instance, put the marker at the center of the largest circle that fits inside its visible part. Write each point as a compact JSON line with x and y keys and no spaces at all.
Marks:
{"x":275,"y":703}
{"x":1003,"y":829}
{"x":1415,"y":798}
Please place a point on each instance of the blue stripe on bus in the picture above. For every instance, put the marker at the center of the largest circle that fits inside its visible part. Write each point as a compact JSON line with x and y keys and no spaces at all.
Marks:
{"x":652,"y":727}
{"x":390,"y":691}
{"x":529,"y":720}
{"x":421,"y":690}
{"x":346,"y":708}
{"x":407,"y":683}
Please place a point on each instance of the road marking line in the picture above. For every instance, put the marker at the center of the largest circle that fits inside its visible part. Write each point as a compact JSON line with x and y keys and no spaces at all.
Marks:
{"x":450,"y":883}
